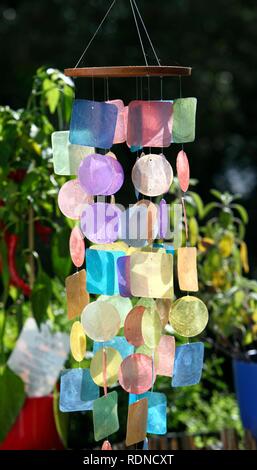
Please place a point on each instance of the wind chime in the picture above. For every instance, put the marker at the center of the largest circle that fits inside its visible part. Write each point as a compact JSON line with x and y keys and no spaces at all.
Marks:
{"x":128,"y":277}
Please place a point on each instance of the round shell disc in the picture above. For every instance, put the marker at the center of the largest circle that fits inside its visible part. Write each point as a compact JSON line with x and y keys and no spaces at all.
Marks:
{"x":188,"y":316}
{"x":151,"y":327}
{"x":78,"y":341}
{"x":122,"y":304}
{"x":77,"y":247}
{"x":100,"y":175}
{"x":133,"y":326}
{"x":113,"y":361}
{"x":152,"y":175}
{"x":183,"y":170}
{"x":136,"y":374}
{"x":72,"y":199}
{"x":100,"y":320}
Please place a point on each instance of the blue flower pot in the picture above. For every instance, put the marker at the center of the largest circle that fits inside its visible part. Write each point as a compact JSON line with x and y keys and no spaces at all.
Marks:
{"x":245,"y":374}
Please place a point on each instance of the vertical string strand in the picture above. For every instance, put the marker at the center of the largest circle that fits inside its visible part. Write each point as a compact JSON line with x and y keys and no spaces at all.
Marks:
{"x":161,"y":89}
{"x":104,"y":360}
{"x":147,"y":34}
{"x":95,"y":33}
{"x":183,"y":200}
{"x":138,"y":32}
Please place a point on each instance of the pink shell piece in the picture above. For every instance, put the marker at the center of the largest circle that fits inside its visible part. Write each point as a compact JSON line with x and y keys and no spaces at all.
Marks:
{"x":165,"y":356}
{"x":132,"y":326}
{"x":72,"y":199}
{"x":150,"y":123}
{"x":136,"y":373}
{"x":77,"y":247}
{"x":106,"y":446}
{"x":120,"y":130}
{"x":183,"y":170}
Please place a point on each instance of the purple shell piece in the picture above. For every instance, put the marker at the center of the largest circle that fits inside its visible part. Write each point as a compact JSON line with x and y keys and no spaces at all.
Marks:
{"x":163,"y":218}
{"x":100,"y":222}
{"x":123,"y":269}
{"x":117,"y":180}
{"x":100,"y":175}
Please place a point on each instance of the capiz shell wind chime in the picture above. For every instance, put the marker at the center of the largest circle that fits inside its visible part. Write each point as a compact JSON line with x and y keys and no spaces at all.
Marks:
{"x":124,"y":300}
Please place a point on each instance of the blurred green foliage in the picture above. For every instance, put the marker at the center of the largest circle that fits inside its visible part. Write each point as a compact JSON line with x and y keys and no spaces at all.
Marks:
{"x":29,"y":187}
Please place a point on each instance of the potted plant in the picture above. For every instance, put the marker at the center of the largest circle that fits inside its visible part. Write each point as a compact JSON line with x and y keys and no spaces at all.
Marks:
{"x":230,"y":295}
{"x":33,"y":264}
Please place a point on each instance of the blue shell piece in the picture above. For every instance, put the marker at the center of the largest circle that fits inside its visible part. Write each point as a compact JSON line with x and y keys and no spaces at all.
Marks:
{"x":77,"y":390}
{"x":157,"y":411}
{"x":101,"y":267}
{"x":93,"y":123}
{"x":188,"y":364}
{"x":119,"y":342}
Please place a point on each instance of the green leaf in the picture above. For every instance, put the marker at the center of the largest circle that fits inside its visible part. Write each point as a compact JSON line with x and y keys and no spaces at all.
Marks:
{"x":60,"y":254}
{"x":52,"y":94}
{"x":12,"y":398}
{"x":61,"y":419}
{"x":40,"y":297}
{"x":68,"y":96}
{"x":241,"y":231}
{"x":216,"y":194}
{"x":198,"y":202}
{"x":242,"y":212}
{"x":193,"y":231}
{"x":209,"y":207}
{"x":225,"y":217}
{"x":5,"y":271}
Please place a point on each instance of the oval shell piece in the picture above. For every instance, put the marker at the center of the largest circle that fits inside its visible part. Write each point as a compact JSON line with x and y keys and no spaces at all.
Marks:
{"x":78,"y":341}
{"x":106,"y":446}
{"x":77,"y":247}
{"x":183,"y":170}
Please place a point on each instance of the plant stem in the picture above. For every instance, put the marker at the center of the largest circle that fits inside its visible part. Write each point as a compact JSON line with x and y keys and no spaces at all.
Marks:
{"x":31,"y":246}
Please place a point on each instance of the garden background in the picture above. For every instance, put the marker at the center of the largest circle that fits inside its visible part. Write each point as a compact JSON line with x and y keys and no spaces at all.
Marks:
{"x":218,"y":40}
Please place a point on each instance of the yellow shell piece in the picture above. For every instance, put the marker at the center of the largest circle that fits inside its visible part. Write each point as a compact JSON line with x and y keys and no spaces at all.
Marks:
{"x":113,"y":362}
{"x":78,"y":341}
{"x":116,"y":246}
{"x":151,"y":275}
{"x":151,"y":327}
{"x":188,"y":316}
{"x":100,"y":320}
{"x":163,"y":308}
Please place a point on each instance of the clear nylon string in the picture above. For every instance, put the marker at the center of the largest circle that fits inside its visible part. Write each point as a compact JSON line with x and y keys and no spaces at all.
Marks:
{"x":95,"y":33}
{"x":138,"y":32}
{"x":146,"y":32}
